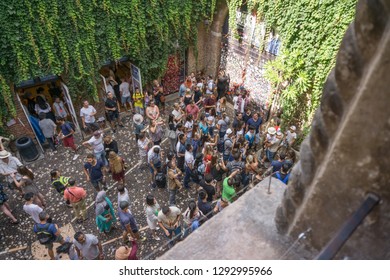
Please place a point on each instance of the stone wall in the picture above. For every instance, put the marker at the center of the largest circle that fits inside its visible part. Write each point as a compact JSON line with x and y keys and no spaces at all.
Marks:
{"x":347,"y":153}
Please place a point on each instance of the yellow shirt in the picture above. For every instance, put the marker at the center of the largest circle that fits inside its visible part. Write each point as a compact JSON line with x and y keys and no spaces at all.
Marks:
{"x":138,"y":99}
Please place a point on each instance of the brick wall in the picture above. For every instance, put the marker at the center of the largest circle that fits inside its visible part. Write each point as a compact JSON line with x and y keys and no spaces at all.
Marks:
{"x":22,"y":126}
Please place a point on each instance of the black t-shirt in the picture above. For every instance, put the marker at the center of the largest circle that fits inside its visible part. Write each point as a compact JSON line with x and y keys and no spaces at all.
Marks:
{"x":210,"y":190}
{"x":205,"y":207}
{"x":111,"y":103}
{"x":197,"y":96}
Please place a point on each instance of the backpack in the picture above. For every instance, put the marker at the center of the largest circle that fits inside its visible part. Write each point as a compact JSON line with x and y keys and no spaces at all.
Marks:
{"x":43,"y":235}
{"x":161,"y":180}
{"x":60,"y":184}
{"x":221,"y":145}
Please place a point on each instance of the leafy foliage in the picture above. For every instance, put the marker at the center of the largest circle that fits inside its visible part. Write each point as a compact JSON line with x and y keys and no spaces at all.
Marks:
{"x":75,"y":37}
{"x":311,"y":32}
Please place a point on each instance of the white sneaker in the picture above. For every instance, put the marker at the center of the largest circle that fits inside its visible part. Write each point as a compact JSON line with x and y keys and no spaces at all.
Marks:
{"x":76,"y":156}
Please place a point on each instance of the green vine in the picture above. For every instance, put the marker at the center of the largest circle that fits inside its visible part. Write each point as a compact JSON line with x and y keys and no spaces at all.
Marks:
{"x":310,"y":32}
{"x":75,"y":37}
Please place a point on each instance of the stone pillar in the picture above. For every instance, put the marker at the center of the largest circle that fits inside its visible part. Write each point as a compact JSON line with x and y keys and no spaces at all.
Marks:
{"x":347,"y":153}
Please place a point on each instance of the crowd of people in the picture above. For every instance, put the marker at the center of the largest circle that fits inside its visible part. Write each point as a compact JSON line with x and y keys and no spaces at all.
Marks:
{"x":209,"y":153}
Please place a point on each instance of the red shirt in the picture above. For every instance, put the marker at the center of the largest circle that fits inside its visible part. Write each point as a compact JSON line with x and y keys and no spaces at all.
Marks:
{"x":192,"y":110}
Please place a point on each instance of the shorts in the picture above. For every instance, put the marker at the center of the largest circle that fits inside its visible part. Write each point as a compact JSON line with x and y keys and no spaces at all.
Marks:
{"x":125,"y":99}
{"x":156,"y":165}
{"x":113,"y":115}
{"x":58,"y":239}
{"x":69,"y":142}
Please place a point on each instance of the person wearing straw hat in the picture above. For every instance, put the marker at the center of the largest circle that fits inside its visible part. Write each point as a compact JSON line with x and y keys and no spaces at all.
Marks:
{"x":139,"y":126}
{"x":270,"y":143}
{"x":9,"y":166}
{"x":291,"y":135}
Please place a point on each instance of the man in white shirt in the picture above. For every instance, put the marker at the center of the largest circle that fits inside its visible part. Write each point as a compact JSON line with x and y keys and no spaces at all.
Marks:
{"x":9,"y":166}
{"x":88,"y":247}
{"x":96,"y":143}
{"x":30,"y":208}
{"x":189,"y":165}
{"x":87,"y":114}
{"x":124,"y":90}
{"x":169,"y":221}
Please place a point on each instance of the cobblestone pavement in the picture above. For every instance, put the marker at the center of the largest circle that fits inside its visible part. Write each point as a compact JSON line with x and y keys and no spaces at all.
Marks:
{"x":16,"y":240}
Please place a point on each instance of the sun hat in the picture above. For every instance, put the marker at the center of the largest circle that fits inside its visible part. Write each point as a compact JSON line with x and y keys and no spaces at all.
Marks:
{"x":229,"y":131}
{"x":138,"y":118}
{"x":293,"y":127}
{"x":279,"y":133}
{"x":4,"y":154}
{"x":122,"y":253}
{"x":271,"y":130}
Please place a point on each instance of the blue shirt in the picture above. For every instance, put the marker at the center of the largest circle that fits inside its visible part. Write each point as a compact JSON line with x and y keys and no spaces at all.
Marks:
{"x":204,"y":128}
{"x":51,"y":229}
{"x":255,"y":124}
{"x":277,"y":165}
{"x":126,"y":218}
{"x":66,"y":129}
{"x":182,"y":90}
{"x":95,"y":172}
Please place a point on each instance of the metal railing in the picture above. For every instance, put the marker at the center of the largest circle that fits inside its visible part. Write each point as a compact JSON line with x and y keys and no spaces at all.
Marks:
{"x":336,"y":243}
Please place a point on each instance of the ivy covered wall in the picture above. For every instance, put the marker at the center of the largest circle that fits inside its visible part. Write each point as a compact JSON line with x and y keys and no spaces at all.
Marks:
{"x":75,"y":37}
{"x":311,"y":33}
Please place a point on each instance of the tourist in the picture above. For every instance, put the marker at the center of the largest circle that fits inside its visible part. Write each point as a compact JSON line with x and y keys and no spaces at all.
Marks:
{"x":152,"y":111}
{"x":26,"y":183}
{"x":222,"y":126}
{"x":8,"y":166}
{"x":110,"y":145}
{"x":4,"y":206}
{"x":88,"y":247}
{"x":172,"y":132}
{"x":158,"y":93}
{"x":126,"y":252}
{"x":58,"y":181}
{"x":123,"y":195}
{"x":220,"y":205}
{"x":283,"y":174}
{"x":189,"y":165}
{"x":30,"y":208}
{"x":154,"y":161}
{"x":95,"y":172}
{"x":138,"y":101}
{"x":128,"y":223}
{"x":177,"y":113}
{"x":180,"y":150}
{"x":42,"y":106}
{"x":211,"y":121}
{"x":76,"y":196}
{"x":204,"y":205}
{"x":151,"y":210}
{"x":156,"y":132}
{"x":96,"y":143}
{"x":66,"y":135}
{"x":188,"y":128}
{"x":47,"y":233}
{"x":210,"y":85}
{"x":174,"y":184}
{"x":49,"y":130}
{"x":117,"y":168}
{"x":143,"y":147}
{"x":208,"y":185}
{"x":138,"y":125}
{"x":229,"y":184}
{"x":169,"y":220}
{"x":59,"y":108}
{"x":271,"y":143}
{"x":124,"y":91}
{"x":192,"y":218}
{"x":192,"y":109}
{"x":188,"y":97}
{"x":87,"y":114}
{"x":209,"y":103}
{"x":291,"y":136}
{"x":277,"y":164}
{"x":112,"y":109}
{"x":105,"y":214}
